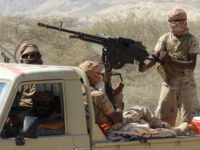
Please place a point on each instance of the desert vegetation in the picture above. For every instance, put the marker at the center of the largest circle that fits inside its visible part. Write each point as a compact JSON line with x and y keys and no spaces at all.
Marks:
{"x":58,"y":49}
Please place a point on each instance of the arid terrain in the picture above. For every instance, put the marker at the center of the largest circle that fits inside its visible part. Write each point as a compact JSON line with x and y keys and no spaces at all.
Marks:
{"x":58,"y":49}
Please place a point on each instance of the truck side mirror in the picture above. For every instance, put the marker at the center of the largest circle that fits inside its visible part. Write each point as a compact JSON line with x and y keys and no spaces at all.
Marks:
{"x":30,"y":127}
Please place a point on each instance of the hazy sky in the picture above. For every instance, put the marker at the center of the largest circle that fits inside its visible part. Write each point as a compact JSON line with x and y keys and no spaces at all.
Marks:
{"x":85,"y":8}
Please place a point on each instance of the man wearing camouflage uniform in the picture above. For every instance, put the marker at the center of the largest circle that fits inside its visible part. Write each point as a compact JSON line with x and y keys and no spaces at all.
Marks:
{"x":104,"y":110}
{"x":178,"y":48}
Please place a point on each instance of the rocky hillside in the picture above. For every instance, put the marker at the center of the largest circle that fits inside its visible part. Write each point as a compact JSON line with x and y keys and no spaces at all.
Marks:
{"x":93,"y":9}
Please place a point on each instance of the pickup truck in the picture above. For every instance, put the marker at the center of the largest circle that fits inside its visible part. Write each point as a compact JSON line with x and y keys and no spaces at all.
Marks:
{"x":79,"y":133}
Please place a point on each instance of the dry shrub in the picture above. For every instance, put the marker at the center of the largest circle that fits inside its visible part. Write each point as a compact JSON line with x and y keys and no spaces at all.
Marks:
{"x":58,"y":49}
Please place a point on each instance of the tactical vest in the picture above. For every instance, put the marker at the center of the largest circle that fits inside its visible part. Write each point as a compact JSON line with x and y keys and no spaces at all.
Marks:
{"x":178,"y":49}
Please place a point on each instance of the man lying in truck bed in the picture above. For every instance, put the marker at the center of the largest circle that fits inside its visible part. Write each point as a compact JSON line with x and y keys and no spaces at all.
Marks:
{"x":137,"y":121}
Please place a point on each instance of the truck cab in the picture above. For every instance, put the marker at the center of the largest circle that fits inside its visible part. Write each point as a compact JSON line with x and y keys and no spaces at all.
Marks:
{"x":79,"y":131}
{"x":65,"y":83}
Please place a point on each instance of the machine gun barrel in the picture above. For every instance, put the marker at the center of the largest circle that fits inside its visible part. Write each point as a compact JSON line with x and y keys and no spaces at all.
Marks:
{"x":116,"y":52}
{"x":79,"y":35}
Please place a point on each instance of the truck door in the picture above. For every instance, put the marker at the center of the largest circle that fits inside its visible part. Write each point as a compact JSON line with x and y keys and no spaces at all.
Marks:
{"x":42,"y":105}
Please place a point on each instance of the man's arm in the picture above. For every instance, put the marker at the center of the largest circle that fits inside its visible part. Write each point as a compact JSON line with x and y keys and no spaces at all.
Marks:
{"x":149,"y":63}
{"x":180,"y":63}
{"x":52,"y":125}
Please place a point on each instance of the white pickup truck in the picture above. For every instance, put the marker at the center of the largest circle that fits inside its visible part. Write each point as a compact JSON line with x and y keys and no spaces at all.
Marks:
{"x":65,"y":82}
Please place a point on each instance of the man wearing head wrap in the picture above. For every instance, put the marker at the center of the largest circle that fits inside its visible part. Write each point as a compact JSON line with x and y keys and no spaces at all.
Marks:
{"x":178,"y":49}
{"x":104,"y":110}
{"x":30,"y":54}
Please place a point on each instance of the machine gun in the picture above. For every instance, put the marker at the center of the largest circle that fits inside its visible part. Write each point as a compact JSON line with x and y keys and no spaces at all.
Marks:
{"x":116,"y":52}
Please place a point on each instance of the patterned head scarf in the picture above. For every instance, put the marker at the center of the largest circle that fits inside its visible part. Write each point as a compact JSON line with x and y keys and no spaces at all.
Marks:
{"x":93,"y":71}
{"x":30,"y":54}
{"x":177,"y":14}
{"x":177,"y":19}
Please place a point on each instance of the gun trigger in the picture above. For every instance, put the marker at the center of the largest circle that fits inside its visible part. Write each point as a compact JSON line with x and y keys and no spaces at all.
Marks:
{"x":157,"y":59}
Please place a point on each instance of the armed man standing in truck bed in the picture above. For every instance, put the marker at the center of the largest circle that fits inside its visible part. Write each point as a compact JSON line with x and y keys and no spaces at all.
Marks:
{"x":178,"y":48}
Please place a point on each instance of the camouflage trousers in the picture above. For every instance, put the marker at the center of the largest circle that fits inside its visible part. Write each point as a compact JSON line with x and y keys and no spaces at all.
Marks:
{"x":177,"y":105}
{"x":102,"y":107}
{"x":137,"y":114}
{"x":142,"y":115}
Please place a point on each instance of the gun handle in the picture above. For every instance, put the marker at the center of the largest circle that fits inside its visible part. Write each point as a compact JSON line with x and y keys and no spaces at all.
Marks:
{"x":119,"y":89}
{"x":107,"y":77}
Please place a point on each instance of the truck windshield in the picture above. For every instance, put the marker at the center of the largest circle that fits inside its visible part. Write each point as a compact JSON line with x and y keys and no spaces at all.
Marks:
{"x":3,"y":86}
